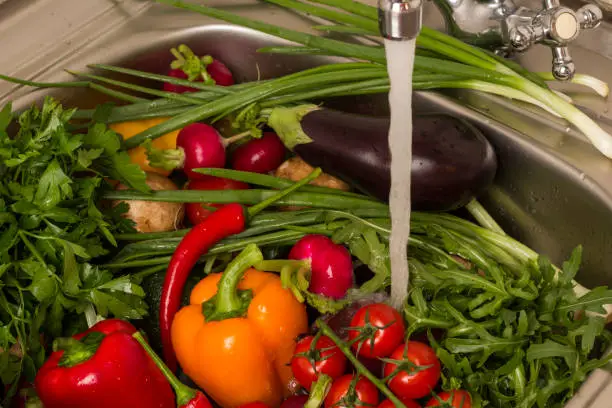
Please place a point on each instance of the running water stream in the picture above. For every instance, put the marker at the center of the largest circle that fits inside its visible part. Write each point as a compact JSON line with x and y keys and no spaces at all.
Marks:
{"x":400,"y":63}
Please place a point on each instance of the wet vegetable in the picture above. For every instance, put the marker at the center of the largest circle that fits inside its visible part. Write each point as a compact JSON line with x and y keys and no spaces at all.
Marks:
{"x":452,"y":161}
{"x":331,"y":266}
{"x":244,"y":321}
{"x":198,"y":212}
{"x":226,"y":221}
{"x":186,"y":397}
{"x":198,"y":145}
{"x":150,"y":216}
{"x":314,"y":356}
{"x":102,"y":367}
{"x":376,"y":330}
{"x":138,"y":154}
{"x":451,"y":399}
{"x":189,"y":66}
{"x":261,"y":155}
{"x":412,"y":370}
{"x":352,"y":391}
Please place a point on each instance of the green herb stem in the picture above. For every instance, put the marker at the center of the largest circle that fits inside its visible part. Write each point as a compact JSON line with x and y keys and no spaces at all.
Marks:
{"x":361,"y":369}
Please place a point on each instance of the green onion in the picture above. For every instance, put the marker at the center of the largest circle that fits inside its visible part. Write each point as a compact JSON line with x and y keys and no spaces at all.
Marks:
{"x":589,"y":81}
{"x":365,"y":24}
{"x":364,"y":52}
{"x":138,"y":88}
{"x":249,"y":197}
{"x":265,"y":180}
{"x":73,"y":84}
{"x":163,"y":78}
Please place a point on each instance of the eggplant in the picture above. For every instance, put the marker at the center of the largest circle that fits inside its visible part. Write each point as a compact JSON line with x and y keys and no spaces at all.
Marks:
{"x":452,"y":161}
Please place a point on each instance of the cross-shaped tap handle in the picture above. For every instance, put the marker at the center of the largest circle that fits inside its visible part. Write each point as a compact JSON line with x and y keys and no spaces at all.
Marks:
{"x":556,"y":26}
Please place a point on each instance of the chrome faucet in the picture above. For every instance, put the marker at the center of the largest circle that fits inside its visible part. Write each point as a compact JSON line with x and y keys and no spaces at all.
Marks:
{"x":507,"y":28}
{"x":400,"y":19}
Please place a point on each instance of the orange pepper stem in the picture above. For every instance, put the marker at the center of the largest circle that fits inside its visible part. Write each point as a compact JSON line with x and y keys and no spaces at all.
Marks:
{"x":230,"y":302}
{"x":184,"y":394}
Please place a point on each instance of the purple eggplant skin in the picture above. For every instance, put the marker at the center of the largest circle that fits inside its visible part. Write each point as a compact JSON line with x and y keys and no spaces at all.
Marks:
{"x":452,"y":161}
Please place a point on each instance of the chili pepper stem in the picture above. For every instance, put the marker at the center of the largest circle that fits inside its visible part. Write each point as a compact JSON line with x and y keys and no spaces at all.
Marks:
{"x":361,"y":369}
{"x":319,"y":391}
{"x":184,"y":394}
{"x":229,"y":302}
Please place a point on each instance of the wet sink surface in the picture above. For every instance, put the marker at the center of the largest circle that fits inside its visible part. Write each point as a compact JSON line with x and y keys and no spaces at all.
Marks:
{"x":553,"y":191}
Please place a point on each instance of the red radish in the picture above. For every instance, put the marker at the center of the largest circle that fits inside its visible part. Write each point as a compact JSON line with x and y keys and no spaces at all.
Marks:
{"x":331,"y":265}
{"x":196,"y":212}
{"x":295,"y":401}
{"x":220,"y":73}
{"x":259,"y":155}
{"x":198,"y":146}
{"x":189,"y":66}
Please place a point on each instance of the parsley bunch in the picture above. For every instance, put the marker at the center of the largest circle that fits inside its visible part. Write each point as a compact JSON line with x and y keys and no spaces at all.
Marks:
{"x":52,"y":231}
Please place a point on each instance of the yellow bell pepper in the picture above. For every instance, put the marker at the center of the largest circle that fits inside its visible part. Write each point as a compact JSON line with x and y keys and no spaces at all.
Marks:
{"x":138,"y":155}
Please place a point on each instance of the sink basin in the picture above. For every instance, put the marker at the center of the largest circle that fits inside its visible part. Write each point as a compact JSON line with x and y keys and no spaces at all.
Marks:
{"x":553,"y":190}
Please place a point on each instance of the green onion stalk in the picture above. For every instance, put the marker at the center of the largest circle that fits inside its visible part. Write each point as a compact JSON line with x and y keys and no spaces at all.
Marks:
{"x":441,"y":62}
{"x":357,"y":221}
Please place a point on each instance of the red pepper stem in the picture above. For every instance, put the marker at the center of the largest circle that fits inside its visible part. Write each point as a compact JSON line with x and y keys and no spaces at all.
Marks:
{"x":271,"y":200}
{"x":361,"y":369}
{"x":77,"y":351}
{"x":228,"y":302}
{"x":184,"y":393}
{"x":319,"y":391}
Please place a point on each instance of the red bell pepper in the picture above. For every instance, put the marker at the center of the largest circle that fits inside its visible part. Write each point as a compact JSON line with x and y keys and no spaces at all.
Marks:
{"x":186,"y":397}
{"x":102,"y":367}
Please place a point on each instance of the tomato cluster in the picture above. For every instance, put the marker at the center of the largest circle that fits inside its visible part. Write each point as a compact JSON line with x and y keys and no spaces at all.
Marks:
{"x":411,"y":369}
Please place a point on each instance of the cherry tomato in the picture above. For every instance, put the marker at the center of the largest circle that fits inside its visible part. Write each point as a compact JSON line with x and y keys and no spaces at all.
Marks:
{"x":410,"y":378}
{"x":407,"y":402}
{"x":197,"y":212}
{"x":349,"y":392}
{"x":324,"y":358}
{"x":457,"y":399}
{"x":381,"y":329}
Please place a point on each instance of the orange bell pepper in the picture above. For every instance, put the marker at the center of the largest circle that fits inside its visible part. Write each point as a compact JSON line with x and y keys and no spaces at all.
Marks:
{"x":236,"y":338}
{"x":138,"y":155}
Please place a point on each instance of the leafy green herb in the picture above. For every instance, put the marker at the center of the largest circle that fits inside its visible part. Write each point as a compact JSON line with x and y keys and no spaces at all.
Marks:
{"x":52,"y":231}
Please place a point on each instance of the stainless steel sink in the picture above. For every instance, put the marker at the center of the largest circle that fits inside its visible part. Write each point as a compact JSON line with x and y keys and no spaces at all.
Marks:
{"x":553,"y":190}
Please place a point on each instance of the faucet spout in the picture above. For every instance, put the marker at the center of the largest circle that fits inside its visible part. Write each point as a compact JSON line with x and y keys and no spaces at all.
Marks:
{"x":400,"y":19}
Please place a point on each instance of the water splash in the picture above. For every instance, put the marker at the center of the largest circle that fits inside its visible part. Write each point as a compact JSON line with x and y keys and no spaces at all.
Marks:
{"x":400,"y":64}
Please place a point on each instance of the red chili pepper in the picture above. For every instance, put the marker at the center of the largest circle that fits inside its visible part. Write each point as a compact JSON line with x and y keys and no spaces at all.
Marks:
{"x":227,"y":220}
{"x":102,"y":367}
{"x":186,"y":397}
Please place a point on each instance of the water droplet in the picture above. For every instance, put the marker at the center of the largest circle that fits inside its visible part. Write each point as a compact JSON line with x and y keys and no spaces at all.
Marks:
{"x":568,"y":129}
